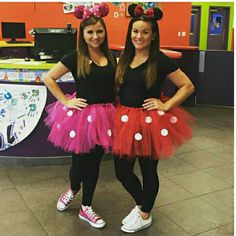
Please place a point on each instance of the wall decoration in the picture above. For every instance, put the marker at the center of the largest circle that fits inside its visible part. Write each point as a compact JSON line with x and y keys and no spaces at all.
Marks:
{"x":29,"y":75}
{"x":216,"y":24}
{"x":116,"y":3}
{"x":20,"y":111}
{"x":116,"y":14}
{"x":68,"y":8}
{"x":122,"y":6}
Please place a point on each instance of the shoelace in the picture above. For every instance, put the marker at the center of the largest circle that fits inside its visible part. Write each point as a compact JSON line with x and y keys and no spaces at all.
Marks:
{"x":91,"y":213}
{"x":67,"y":197}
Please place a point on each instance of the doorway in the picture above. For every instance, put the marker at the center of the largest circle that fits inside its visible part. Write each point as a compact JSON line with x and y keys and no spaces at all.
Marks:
{"x":218,"y":26}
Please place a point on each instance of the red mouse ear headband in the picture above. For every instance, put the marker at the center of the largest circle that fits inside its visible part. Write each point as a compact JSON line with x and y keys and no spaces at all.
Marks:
{"x":98,"y":10}
{"x":137,"y":10}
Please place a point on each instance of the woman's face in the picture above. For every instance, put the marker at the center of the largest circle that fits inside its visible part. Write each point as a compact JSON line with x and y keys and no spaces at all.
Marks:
{"x":142,"y":35}
{"x":94,"y":35}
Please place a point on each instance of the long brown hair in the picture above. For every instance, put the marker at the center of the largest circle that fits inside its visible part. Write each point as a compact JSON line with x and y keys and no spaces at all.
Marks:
{"x":129,"y":52}
{"x":83,"y":64}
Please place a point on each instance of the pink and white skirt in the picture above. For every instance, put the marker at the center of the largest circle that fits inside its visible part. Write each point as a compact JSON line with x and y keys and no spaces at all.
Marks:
{"x":80,"y":131}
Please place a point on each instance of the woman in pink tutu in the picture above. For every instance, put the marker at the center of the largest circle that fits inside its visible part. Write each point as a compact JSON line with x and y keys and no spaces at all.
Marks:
{"x":82,"y":123}
{"x":148,"y":126}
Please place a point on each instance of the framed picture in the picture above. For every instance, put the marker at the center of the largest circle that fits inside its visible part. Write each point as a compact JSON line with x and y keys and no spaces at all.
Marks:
{"x":145,"y":5}
{"x":216,"y":24}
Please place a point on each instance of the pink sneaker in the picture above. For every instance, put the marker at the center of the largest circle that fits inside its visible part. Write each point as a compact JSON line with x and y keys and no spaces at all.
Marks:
{"x":87,"y":214}
{"x":65,"y":200}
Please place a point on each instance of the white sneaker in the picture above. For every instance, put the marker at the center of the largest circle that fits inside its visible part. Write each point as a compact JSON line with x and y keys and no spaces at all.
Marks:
{"x":130,"y":216}
{"x":136,"y":224}
{"x":65,"y":200}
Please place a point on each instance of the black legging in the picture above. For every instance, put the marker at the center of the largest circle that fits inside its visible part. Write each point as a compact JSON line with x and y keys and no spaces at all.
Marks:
{"x":85,"y":170}
{"x":146,"y":195}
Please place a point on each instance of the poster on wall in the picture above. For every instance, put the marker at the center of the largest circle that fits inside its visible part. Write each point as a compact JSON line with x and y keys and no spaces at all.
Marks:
{"x":216,"y":24}
{"x":20,"y":110}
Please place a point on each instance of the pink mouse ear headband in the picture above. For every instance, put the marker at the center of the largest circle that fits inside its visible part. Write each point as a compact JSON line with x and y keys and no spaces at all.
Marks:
{"x":98,"y":10}
{"x":137,"y":10}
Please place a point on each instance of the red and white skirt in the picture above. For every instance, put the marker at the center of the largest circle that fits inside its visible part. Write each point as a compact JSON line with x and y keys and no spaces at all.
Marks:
{"x":80,"y":131}
{"x":150,"y":134}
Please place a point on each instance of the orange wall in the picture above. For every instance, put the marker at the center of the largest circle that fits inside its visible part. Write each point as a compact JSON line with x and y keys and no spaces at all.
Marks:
{"x":50,"y":14}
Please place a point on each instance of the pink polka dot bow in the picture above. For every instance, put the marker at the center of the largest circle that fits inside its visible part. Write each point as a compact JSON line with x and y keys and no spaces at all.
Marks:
{"x":98,"y":10}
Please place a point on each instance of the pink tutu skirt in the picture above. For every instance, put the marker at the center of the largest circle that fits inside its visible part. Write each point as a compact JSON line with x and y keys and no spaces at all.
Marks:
{"x":150,"y":134}
{"x":80,"y":131}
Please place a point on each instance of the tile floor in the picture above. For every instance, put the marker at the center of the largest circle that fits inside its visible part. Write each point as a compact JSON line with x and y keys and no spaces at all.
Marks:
{"x":195,"y":198}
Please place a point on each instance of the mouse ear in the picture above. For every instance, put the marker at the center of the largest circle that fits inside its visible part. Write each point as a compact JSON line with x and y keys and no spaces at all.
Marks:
{"x":104,"y":9}
{"x":79,"y":11}
{"x":158,"y":14}
{"x":131,"y":9}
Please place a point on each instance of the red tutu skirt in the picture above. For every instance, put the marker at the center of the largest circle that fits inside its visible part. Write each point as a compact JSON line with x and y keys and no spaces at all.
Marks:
{"x":80,"y":131}
{"x":150,"y":134}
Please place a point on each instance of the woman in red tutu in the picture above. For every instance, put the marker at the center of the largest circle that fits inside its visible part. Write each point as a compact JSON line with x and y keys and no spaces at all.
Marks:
{"x":148,"y":126}
{"x":82,"y":123}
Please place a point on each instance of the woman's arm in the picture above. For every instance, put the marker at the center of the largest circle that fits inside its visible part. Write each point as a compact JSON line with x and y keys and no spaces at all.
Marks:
{"x":50,"y":81}
{"x":185,"y":89}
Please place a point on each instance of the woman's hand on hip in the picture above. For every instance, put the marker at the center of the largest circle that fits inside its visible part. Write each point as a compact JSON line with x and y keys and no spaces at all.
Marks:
{"x":153,"y":104}
{"x":76,"y":103}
